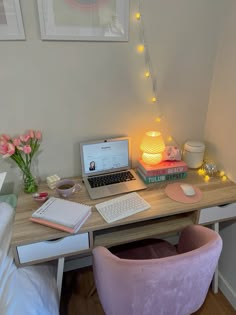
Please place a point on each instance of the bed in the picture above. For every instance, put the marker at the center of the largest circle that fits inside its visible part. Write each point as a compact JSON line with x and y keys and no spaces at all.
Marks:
{"x":28,"y":290}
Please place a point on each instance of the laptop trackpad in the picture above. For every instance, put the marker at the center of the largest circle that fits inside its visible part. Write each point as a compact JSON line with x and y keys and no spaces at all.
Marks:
{"x":119,"y":188}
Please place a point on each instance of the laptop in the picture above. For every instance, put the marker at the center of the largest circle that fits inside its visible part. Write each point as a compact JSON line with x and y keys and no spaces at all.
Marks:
{"x":106,"y":167}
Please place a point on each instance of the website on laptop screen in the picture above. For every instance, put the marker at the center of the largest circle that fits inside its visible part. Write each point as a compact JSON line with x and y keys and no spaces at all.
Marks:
{"x":104,"y":156}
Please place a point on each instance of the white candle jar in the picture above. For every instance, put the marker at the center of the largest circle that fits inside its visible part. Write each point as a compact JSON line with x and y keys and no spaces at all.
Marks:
{"x":193,"y":153}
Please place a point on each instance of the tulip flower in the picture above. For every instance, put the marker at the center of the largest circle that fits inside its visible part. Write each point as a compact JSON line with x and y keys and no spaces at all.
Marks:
{"x":5,"y":138}
{"x":10,"y":150}
{"x":16,"y":142}
{"x":27,"y":149}
{"x":38,"y":135}
{"x":31,"y":134}
{"x":3,"y":148}
{"x":24,"y":138}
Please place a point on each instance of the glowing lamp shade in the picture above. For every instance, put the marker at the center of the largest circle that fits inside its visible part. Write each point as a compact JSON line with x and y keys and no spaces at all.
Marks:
{"x":152,"y":146}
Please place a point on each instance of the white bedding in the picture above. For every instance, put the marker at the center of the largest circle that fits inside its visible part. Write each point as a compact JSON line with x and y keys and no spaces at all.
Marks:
{"x":28,"y":290}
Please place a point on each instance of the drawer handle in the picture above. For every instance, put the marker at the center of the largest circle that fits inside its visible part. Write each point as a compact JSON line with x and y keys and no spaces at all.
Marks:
{"x":55,"y":240}
{"x":225,"y":205}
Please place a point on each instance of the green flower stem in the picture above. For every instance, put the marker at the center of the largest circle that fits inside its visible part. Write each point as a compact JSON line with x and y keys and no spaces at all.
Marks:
{"x":27,"y":160}
{"x":30,"y":185}
{"x":18,"y":162}
{"x":34,"y":148}
{"x":18,"y":156}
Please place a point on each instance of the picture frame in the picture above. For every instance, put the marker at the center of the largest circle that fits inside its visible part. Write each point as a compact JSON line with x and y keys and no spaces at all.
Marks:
{"x":11,"y":23}
{"x":84,"y":20}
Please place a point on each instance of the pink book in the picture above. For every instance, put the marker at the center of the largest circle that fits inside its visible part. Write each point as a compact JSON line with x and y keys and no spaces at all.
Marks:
{"x":163,"y":168}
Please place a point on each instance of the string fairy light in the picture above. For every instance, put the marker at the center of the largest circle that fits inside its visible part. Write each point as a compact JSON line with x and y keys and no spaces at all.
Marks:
{"x":138,"y":15}
{"x":224,"y":178}
{"x":147,"y":74}
{"x":143,"y":48}
{"x":140,"y":48}
{"x":221,"y":174}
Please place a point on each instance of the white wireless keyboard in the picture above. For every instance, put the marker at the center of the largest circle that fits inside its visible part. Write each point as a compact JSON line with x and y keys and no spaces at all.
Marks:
{"x":122,"y":207}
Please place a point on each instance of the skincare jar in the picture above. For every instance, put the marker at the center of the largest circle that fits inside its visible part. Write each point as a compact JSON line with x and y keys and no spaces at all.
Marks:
{"x":193,"y":153}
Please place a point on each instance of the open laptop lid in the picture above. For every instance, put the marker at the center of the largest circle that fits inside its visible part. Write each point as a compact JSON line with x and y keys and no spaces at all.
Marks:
{"x":105,"y":156}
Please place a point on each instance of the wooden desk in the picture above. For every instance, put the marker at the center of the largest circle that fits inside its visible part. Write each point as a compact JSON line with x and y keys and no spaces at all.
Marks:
{"x":34,"y":243}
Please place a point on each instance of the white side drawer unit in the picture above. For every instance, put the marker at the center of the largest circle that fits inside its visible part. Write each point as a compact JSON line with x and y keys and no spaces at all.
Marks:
{"x":218,"y":213}
{"x":50,"y":249}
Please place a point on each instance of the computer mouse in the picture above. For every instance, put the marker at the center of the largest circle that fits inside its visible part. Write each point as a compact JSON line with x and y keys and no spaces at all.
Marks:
{"x":188,"y":190}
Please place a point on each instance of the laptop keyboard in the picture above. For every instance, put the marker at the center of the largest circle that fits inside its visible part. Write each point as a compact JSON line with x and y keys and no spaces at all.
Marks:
{"x":114,"y":178}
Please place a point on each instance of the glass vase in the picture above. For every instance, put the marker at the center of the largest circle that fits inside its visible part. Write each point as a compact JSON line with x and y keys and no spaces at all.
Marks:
{"x":29,"y":181}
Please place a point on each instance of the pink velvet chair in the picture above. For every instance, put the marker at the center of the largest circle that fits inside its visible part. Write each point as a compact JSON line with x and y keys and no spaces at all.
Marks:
{"x":173,"y":285}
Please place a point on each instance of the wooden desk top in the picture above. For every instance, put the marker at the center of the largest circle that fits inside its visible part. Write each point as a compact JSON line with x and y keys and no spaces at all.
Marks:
{"x":215,"y":192}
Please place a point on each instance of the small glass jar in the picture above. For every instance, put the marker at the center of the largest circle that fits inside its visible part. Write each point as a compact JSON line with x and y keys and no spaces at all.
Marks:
{"x":193,"y":153}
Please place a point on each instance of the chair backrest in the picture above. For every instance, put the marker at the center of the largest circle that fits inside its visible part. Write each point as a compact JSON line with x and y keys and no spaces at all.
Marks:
{"x":175,"y":285}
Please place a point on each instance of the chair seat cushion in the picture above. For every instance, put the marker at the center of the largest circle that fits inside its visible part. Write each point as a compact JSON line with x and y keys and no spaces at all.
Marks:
{"x":144,"y":249}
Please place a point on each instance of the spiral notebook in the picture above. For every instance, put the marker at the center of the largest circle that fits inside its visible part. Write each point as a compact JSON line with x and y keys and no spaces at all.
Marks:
{"x":62,"y":214}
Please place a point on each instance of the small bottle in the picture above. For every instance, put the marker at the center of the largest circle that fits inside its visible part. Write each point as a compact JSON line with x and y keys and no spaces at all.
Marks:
{"x":193,"y":153}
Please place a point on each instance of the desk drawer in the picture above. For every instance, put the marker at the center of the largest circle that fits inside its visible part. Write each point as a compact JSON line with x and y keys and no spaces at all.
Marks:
{"x":49,"y":249}
{"x":218,"y":213}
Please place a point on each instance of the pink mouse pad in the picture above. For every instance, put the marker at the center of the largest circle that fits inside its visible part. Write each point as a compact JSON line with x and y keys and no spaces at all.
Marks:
{"x":175,"y":192}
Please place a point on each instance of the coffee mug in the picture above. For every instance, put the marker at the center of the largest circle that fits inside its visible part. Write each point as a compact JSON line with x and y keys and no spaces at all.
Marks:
{"x":66,"y":187}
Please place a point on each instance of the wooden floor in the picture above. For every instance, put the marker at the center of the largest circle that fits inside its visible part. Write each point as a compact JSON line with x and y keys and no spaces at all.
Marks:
{"x":75,"y":300}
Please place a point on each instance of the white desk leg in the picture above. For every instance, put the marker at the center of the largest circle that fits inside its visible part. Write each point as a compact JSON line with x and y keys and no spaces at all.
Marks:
{"x":216,"y":274}
{"x":60,"y":269}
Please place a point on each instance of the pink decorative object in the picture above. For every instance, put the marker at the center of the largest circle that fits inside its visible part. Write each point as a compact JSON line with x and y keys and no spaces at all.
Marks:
{"x":171,"y":153}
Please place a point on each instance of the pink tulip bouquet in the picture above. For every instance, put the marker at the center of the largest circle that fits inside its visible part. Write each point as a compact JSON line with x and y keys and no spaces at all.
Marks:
{"x":21,"y":149}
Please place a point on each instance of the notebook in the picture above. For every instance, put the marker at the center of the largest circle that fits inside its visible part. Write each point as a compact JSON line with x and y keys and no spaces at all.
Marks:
{"x":62,"y":214}
{"x":106,"y":167}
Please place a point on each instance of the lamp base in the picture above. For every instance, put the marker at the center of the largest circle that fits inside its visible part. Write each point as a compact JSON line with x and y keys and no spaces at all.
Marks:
{"x":152,"y":159}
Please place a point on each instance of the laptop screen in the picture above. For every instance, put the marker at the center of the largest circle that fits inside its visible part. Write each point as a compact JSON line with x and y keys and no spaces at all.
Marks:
{"x":104,"y":156}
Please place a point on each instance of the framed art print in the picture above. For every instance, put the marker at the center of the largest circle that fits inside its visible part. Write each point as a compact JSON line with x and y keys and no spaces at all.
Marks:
{"x":88,"y":20}
{"x":11,"y":24}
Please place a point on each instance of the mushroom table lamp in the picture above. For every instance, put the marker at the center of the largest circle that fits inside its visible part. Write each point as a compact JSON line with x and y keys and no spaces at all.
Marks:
{"x":152,"y":146}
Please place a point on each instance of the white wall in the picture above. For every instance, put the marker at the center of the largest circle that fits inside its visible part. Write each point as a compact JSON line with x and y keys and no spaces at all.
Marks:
{"x":220,"y":135}
{"x":75,"y":91}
